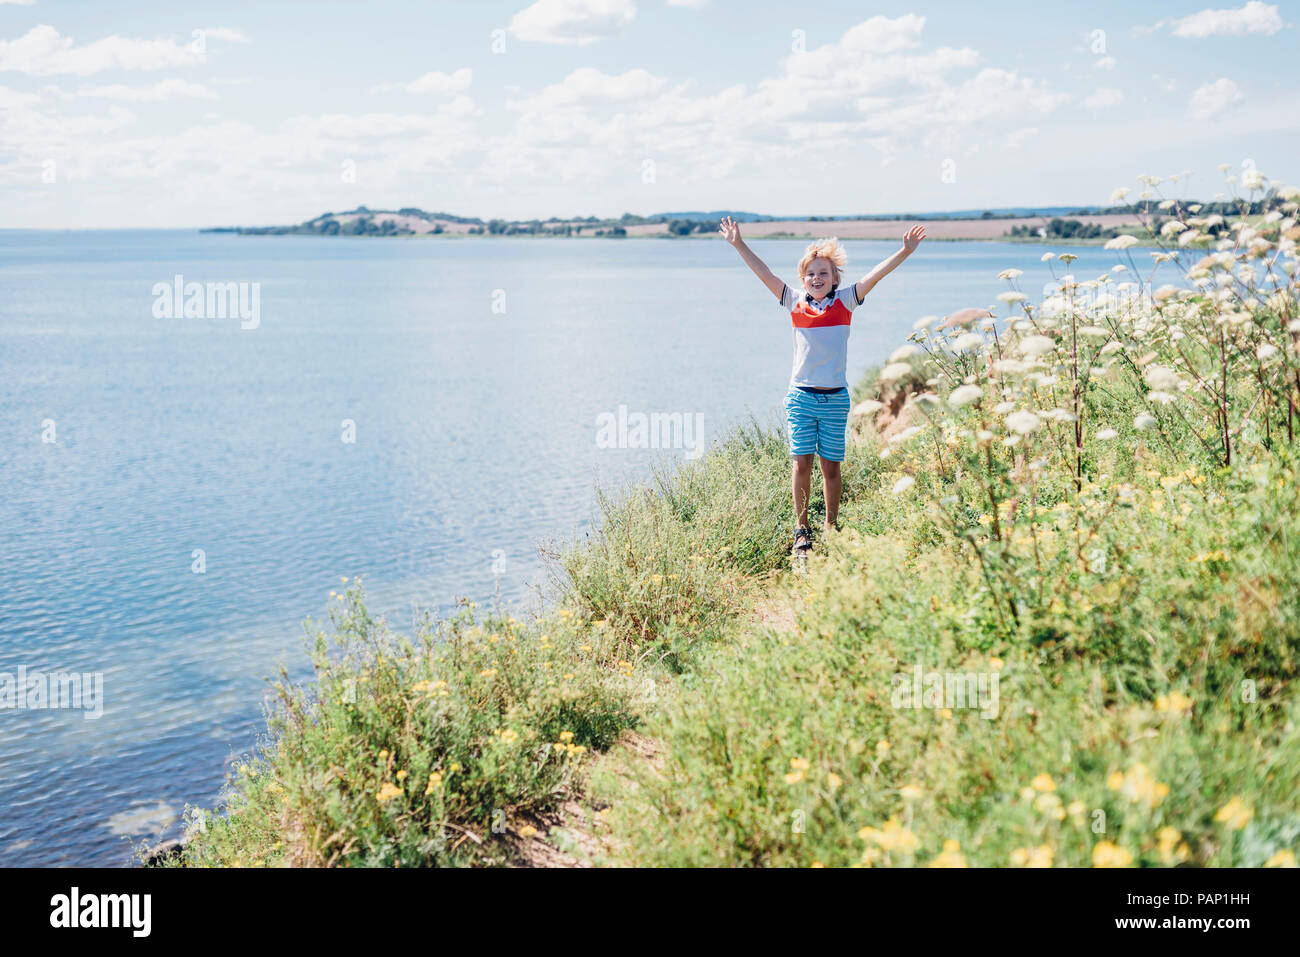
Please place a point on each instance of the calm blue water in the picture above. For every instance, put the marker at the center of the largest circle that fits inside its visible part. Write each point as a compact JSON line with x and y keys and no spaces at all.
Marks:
{"x":475,"y":440}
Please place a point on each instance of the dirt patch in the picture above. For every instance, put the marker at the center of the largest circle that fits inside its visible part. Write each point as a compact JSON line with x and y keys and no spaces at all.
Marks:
{"x":574,"y":834}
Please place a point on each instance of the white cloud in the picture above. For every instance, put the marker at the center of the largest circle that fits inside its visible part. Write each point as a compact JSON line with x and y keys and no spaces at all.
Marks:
{"x":1254,"y":17}
{"x":1104,"y":98}
{"x":18,"y":3}
{"x":229,"y":34}
{"x":162,"y":90}
{"x":579,"y":22}
{"x":1213,"y":98}
{"x":43,"y":52}
{"x":1105,"y":63}
{"x":433,"y":82}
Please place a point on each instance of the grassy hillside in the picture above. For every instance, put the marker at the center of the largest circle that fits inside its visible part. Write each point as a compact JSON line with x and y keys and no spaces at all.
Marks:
{"x":1060,"y":625}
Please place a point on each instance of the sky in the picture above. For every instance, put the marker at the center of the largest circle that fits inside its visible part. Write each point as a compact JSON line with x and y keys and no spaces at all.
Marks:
{"x":151,"y":114}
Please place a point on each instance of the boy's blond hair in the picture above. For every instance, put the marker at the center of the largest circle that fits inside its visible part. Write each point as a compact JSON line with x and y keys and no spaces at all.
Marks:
{"x":829,"y":249}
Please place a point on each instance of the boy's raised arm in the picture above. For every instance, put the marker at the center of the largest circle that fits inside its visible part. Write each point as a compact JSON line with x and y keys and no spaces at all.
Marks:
{"x":730,"y":230}
{"x":911,"y":240}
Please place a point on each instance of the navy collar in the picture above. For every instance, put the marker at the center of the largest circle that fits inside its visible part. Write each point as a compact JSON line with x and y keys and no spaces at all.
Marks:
{"x":808,"y":297}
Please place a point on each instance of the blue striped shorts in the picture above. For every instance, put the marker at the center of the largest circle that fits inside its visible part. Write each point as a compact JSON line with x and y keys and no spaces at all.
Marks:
{"x":816,"y":422}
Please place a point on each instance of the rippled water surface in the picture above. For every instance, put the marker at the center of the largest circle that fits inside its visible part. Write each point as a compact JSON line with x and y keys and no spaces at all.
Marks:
{"x":475,"y":439}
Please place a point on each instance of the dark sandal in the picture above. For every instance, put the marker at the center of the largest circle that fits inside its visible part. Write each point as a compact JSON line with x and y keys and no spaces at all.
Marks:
{"x":802,"y":540}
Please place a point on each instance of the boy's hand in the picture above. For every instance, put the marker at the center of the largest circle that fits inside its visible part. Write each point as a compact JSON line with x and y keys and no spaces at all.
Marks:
{"x":730,"y":230}
{"x":913,"y":238}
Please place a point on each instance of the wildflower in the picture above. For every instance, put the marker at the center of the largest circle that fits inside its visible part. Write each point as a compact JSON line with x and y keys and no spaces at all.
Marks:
{"x":383,"y":755}
{"x":527,"y":831}
{"x":388,"y":792}
{"x":882,"y":748}
{"x":833,"y":781}
{"x":1043,"y":782}
{"x":1174,"y":703}
{"x":1282,"y":858}
{"x":1032,"y":346}
{"x":895,"y":370}
{"x":903,"y":484}
{"x":1075,"y":809}
{"x":910,"y":792}
{"x":508,"y":735}
{"x":1139,"y":786}
{"x":964,"y":395}
{"x":566,"y":736}
{"x":435,"y":782}
{"x":903,"y":352}
{"x":1171,"y":846}
{"x":968,"y":342}
{"x":894,"y":837}
{"x":1144,"y":422}
{"x":950,"y":856}
{"x":1234,"y":814}
{"x":1163,"y":379}
{"x":996,"y":664}
{"x":1038,"y":857}
{"x":1023,"y":423}
{"x":488,"y":672}
{"x":1107,"y":854}
{"x":401,"y":775}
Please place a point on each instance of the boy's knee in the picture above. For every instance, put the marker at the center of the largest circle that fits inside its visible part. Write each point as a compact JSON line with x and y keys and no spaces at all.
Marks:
{"x":830,"y":469}
{"x":802,"y":463}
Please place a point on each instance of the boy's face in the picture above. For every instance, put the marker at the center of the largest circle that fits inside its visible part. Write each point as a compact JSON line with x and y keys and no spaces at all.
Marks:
{"x":818,"y":278}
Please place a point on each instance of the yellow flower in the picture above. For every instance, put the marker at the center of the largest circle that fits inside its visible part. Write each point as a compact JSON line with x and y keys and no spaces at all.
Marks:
{"x":527,"y":831}
{"x":894,"y":837}
{"x":420,"y":686}
{"x":584,"y":647}
{"x":882,"y":748}
{"x":1076,"y":809}
{"x":833,"y":781}
{"x":383,"y":755}
{"x":344,"y":579}
{"x":1174,"y":703}
{"x":401,"y":775}
{"x":1106,"y":854}
{"x":487,"y":672}
{"x":950,"y":856}
{"x":1140,"y":787}
{"x":455,"y":766}
{"x":799,"y":764}
{"x":435,"y":782}
{"x":388,"y":792}
{"x":1283,"y":858}
{"x":946,"y":713}
{"x":566,"y":736}
{"x":1171,"y":846}
{"x":1234,"y":814}
{"x":1115,"y":781}
{"x":910,"y":792}
{"x":1027,"y":794}
{"x":508,"y":735}
{"x":996,"y":664}
{"x":1038,"y":857}
{"x":794,"y":777}
{"x":1043,"y":782}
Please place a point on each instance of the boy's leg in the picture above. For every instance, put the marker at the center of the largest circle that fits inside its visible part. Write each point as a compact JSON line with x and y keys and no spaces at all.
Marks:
{"x":801,"y":486}
{"x":801,"y":424}
{"x":832,"y":484}
{"x":833,"y":415}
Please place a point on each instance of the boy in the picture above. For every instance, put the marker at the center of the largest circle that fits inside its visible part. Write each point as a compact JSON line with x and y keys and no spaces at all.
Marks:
{"x":817,"y":404}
